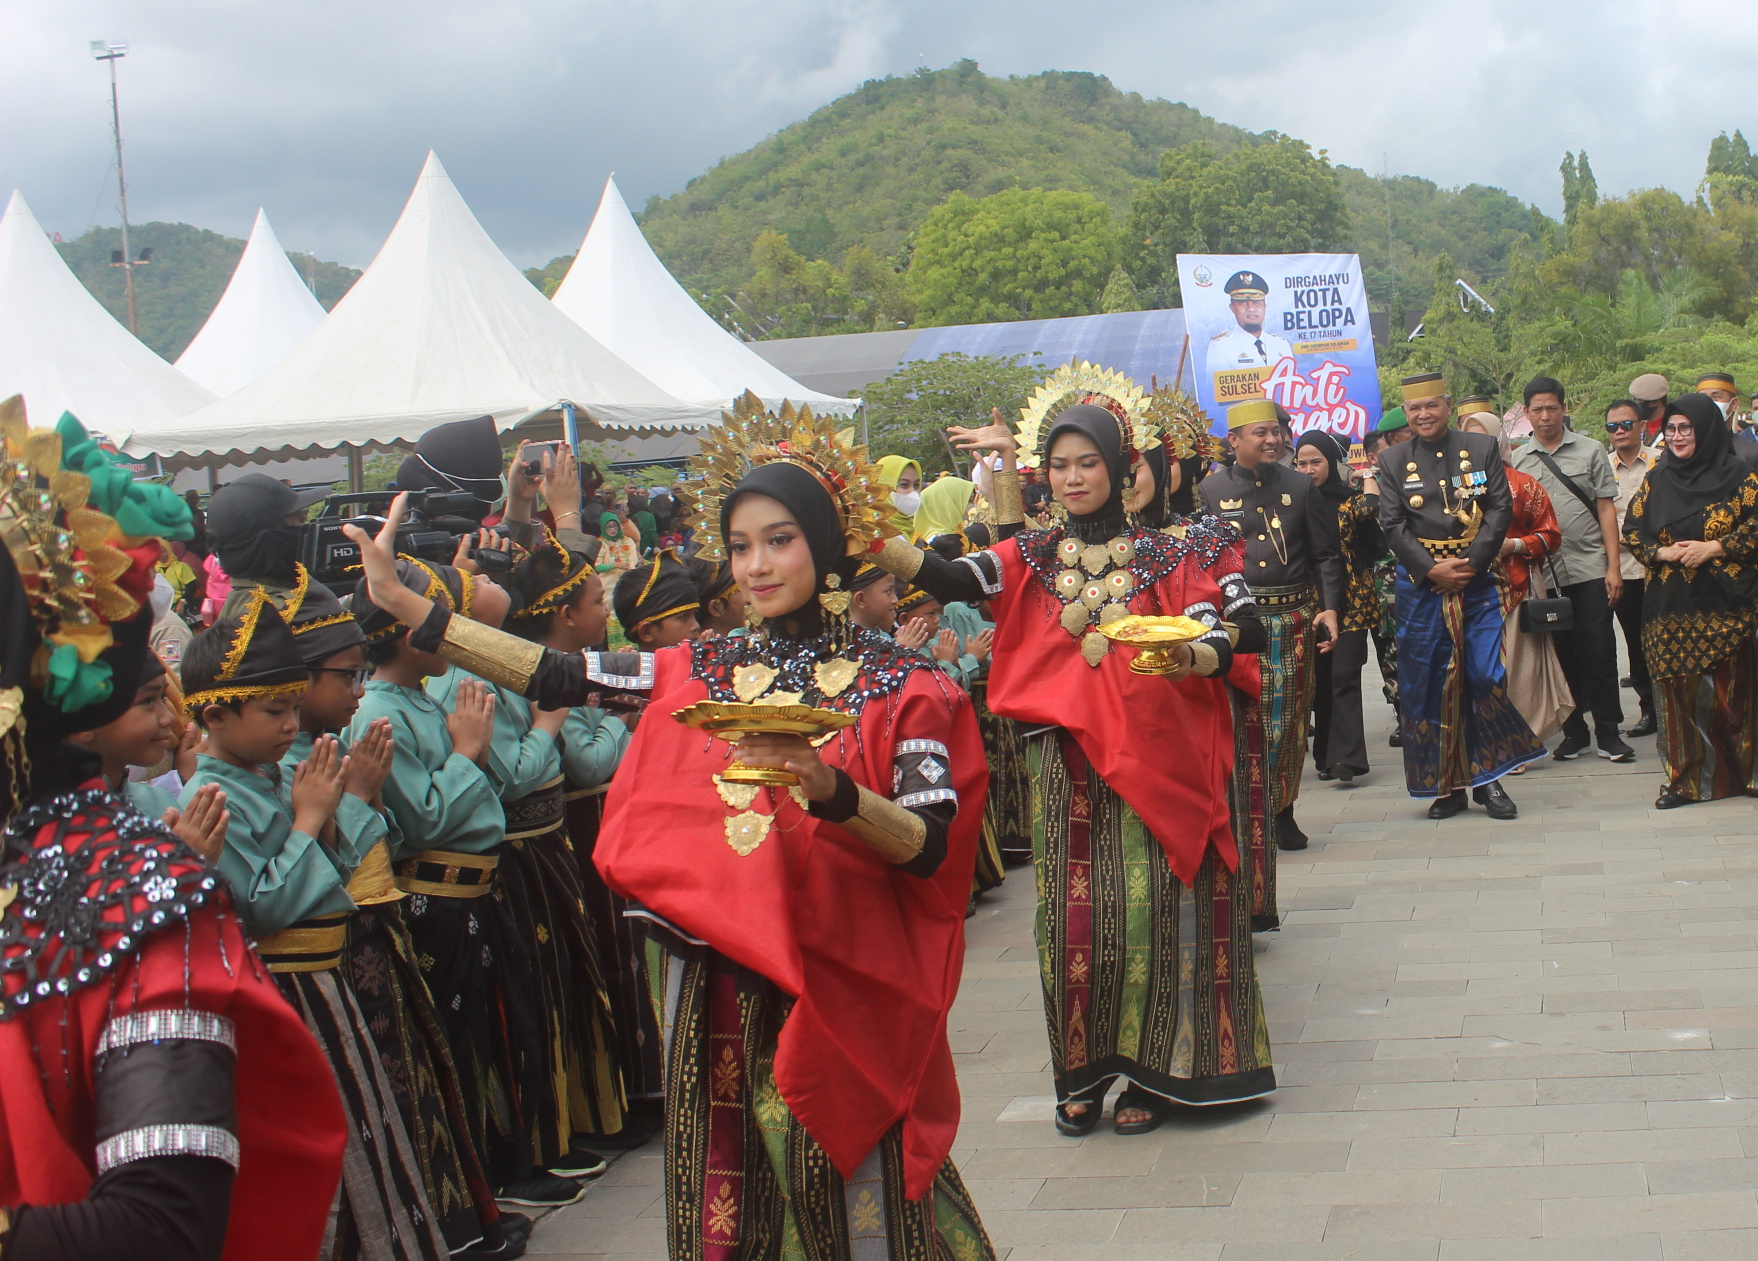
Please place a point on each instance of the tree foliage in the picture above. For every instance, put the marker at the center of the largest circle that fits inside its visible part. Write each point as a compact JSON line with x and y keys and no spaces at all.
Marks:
{"x":908,"y":412}
{"x":176,"y":292}
{"x":1276,"y":197}
{"x":790,"y":295}
{"x":1023,"y":254}
{"x":1580,"y":189}
{"x":1120,"y":293}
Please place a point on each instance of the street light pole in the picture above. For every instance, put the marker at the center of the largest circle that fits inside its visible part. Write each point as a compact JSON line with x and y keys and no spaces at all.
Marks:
{"x":113,"y":51}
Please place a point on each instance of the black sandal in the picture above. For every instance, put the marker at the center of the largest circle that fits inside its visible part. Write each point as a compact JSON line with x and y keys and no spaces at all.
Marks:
{"x":1077,"y":1127}
{"x":1141,"y":1101}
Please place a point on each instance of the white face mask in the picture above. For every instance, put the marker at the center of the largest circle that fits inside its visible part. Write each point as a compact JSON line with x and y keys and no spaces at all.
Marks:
{"x":908,"y":502}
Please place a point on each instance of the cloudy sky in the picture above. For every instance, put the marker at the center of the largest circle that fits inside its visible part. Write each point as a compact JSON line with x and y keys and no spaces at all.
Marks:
{"x":321,"y":110}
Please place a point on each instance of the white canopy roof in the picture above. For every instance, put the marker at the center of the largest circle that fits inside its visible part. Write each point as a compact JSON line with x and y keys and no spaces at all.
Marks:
{"x":619,"y":291}
{"x":265,"y":312}
{"x":440,"y":328}
{"x":64,"y":352}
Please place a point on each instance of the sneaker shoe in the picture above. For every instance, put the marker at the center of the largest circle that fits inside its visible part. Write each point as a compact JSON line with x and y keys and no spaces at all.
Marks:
{"x":1571,"y":748}
{"x":1613,"y":749}
{"x":541,"y":1190}
{"x":580,"y":1162}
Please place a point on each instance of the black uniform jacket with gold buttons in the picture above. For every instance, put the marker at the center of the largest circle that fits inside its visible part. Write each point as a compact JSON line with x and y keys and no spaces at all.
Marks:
{"x":1422,"y":484}
{"x":1290,"y":529}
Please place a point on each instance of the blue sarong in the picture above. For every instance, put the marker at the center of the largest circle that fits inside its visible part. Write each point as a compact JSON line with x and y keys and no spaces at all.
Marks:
{"x":1460,"y":728}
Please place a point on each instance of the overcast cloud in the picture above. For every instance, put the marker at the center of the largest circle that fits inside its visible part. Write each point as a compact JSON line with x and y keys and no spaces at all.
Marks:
{"x":321,"y":111}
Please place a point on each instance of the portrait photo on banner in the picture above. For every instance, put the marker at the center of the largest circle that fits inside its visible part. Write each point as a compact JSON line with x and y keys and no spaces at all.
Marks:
{"x":1292,"y":328}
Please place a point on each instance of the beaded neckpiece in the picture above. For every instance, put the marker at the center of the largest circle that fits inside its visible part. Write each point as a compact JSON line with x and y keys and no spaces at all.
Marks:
{"x":88,"y":879}
{"x":812,"y":671}
{"x":1094,"y":582}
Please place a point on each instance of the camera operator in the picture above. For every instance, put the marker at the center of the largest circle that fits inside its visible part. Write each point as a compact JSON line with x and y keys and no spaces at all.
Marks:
{"x":464,"y":455}
{"x":254,"y":526}
{"x":557,"y":478}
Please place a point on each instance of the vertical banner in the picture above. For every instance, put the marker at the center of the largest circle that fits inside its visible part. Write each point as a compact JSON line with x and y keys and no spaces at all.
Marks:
{"x":1289,"y":327}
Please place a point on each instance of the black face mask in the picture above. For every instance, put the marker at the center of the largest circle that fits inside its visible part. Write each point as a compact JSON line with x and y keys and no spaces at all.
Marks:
{"x":270,"y":555}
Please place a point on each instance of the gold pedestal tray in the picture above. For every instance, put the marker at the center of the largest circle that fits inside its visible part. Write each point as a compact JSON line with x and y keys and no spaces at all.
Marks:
{"x":732,"y":721}
{"x":1153,"y":635}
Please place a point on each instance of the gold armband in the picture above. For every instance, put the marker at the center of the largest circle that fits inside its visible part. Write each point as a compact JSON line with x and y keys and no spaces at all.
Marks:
{"x":900,"y":558}
{"x":504,"y":660}
{"x":1204,"y":660}
{"x":887,"y":828}
{"x":1009,"y":503}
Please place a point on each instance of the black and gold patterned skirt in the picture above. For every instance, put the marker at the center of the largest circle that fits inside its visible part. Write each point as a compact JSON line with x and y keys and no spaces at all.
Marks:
{"x":582,"y":1089}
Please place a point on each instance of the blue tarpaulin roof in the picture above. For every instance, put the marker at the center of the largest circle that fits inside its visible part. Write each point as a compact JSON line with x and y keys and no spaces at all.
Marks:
{"x":1140,"y":344}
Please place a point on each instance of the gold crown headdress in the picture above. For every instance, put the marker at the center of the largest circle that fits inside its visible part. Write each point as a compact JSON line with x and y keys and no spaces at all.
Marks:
{"x":1082,"y":382}
{"x":66,"y":553}
{"x":1183,"y":425}
{"x":750,"y":435}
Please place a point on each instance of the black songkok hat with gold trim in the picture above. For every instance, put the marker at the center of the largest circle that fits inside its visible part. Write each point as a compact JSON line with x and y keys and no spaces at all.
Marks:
{"x":912,"y":598}
{"x":656,"y":590}
{"x":322,"y":627}
{"x":261,"y":659}
{"x":421,"y":576}
{"x":547,"y":579}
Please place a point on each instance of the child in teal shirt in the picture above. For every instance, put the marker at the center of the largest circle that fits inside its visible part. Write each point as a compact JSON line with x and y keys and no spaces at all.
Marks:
{"x":291,"y":846}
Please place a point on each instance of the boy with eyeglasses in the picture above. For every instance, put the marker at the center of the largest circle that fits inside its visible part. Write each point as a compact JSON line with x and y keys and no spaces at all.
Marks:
{"x":1630,"y":462}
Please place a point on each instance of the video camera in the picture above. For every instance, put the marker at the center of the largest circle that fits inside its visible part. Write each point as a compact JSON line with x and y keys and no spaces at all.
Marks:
{"x":430,"y":530}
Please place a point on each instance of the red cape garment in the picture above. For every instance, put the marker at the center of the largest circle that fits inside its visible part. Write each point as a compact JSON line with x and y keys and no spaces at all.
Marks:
{"x":872,"y":955}
{"x":1166,"y":748}
{"x":291,"y":1130}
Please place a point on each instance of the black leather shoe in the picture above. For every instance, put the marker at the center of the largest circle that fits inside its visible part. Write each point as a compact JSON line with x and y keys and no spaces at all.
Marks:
{"x":1446,"y":807}
{"x":1627,"y":681}
{"x":1646,"y":725}
{"x":1396,"y":739}
{"x":1288,"y":833}
{"x":1670,"y":800}
{"x":1494,"y":799}
{"x":1325,"y":777}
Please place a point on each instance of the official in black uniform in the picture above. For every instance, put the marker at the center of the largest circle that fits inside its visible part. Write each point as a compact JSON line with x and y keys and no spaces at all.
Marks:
{"x":1295,"y":570}
{"x":1445,"y":508}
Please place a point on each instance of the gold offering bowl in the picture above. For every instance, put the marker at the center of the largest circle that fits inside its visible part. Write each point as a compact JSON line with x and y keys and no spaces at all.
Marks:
{"x":1153,"y":635}
{"x":734,"y":720}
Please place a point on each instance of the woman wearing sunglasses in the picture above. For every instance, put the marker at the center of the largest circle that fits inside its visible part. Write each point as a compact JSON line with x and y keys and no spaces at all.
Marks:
{"x":1694,"y":525}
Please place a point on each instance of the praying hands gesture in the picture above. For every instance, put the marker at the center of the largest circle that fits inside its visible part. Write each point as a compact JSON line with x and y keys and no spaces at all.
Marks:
{"x":202,"y":826}
{"x":317,"y":787}
{"x":471,"y":722}
{"x":369,"y":761}
{"x":913,"y":633}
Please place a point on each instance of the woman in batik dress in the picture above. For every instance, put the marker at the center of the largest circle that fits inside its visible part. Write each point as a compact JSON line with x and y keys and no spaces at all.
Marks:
{"x":1694,"y":525}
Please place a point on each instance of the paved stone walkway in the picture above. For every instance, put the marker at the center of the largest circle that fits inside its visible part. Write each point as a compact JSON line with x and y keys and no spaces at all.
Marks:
{"x":1494,"y":1041}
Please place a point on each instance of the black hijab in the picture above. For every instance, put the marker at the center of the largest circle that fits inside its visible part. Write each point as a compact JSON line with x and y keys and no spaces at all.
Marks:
{"x":1679,"y":490}
{"x":464,"y":455}
{"x":805,"y":498}
{"x":1107,"y":435}
{"x":1336,"y":485}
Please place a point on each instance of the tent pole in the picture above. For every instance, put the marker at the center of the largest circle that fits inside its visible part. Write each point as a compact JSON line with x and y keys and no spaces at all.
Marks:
{"x":213,"y":478}
{"x":571,"y":428}
{"x":356,"y":471}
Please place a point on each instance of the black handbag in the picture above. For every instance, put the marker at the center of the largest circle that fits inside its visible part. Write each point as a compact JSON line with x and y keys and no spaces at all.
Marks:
{"x":1546,"y":616}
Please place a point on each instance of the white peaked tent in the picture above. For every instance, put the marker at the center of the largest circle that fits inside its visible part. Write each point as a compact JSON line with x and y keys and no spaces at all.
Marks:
{"x":265,"y":312}
{"x":64,"y":352}
{"x":440,"y":328}
{"x":619,"y":291}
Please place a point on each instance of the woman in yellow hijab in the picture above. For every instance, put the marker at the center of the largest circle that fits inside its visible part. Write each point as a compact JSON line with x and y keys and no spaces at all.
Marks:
{"x":904,"y":476}
{"x":943,"y":507}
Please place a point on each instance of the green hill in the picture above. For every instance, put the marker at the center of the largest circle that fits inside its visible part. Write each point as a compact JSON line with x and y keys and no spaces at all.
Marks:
{"x":175,"y":293}
{"x":867,"y":168}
